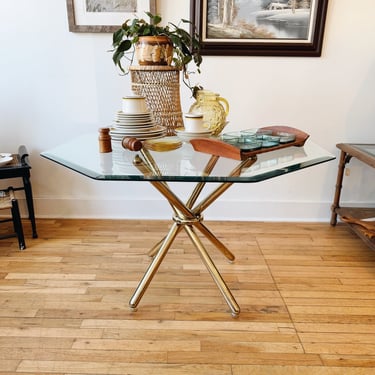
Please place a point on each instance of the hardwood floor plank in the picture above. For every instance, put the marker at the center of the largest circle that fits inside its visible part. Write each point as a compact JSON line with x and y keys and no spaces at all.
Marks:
{"x":8,"y":366}
{"x":298,"y":370}
{"x":50,"y":332}
{"x":138,"y":345}
{"x":250,"y":357}
{"x":306,"y":292}
{"x":363,"y":362}
{"x":109,"y":368}
{"x":86,"y":356}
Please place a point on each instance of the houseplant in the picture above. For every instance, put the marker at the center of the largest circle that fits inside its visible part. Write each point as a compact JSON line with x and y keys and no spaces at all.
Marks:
{"x":129,"y":37}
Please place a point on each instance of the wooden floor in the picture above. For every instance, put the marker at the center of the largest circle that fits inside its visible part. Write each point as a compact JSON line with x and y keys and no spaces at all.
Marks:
{"x":307,"y":294}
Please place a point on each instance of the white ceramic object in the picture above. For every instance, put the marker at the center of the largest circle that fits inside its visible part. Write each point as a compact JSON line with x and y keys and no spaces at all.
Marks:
{"x":4,"y":160}
{"x":193,"y":123}
{"x":134,"y":104}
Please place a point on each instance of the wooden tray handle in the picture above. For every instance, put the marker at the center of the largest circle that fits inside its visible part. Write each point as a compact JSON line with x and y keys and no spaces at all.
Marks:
{"x":132,"y":144}
{"x":216,"y":147}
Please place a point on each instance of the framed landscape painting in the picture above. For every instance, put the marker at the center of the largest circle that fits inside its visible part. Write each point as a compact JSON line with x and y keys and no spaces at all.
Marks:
{"x":104,"y":16}
{"x":260,"y":27}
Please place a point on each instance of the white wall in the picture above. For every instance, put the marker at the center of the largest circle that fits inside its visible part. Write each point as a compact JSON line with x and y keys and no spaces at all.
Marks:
{"x":56,"y":84}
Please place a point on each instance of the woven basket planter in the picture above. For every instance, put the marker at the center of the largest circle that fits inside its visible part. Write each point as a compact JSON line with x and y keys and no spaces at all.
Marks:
{"x":160,"y":85}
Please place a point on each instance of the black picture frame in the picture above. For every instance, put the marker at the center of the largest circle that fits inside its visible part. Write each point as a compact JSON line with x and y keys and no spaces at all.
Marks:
{"x":311,"y":47}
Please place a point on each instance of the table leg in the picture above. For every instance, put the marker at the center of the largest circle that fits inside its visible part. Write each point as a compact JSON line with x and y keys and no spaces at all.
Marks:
{"x":197,"y":211}
{"x":215,"y":241}
{"x":30,"y":204}
{"x":193,"y":196}
{"x":156,"y":247}
{"x":187,"y":217}
{"x":209,"y":235}
{"x":344,"y":159}
{"x":223,"y":187}
{"x":215,"y":274}
{"x":199,"y":187}
{"x":153,"y":267}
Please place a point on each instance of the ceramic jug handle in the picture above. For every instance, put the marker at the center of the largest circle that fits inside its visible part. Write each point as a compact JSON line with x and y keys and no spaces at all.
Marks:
{"x":226,"y":104}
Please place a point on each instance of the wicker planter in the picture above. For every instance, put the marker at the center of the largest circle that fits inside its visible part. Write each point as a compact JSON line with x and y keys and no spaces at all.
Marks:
{"x":154,"y":50}
{"x":160,"y":85}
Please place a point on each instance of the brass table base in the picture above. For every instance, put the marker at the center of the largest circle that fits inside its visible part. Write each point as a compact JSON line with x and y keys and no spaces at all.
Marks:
{"x":187,"y":217}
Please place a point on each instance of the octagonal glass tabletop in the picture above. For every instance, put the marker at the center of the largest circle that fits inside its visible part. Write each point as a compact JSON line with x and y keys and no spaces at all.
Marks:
{"x":82,"y":155}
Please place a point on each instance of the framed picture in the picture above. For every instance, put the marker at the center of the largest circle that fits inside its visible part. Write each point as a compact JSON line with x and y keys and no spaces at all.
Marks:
{"x":260,"y":27}
{"x":104,"y":16}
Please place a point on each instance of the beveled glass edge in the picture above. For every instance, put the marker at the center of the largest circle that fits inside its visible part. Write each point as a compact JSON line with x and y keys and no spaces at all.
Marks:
{"x":211,"y":178}
{"x":361,"y":147}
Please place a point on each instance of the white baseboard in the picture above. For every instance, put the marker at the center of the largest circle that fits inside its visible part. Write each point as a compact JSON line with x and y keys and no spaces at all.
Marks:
{"x":159,"y":209}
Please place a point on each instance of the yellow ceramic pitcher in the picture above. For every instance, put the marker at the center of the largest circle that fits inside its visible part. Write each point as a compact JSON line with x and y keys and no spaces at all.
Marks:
{"x":214,"y":109}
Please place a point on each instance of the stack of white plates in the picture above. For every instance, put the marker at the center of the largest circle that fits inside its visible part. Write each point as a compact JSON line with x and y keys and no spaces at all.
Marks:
{"x":138,"y":125}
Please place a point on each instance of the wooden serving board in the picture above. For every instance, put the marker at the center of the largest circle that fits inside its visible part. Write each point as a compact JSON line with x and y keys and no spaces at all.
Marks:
{"x":217,"y":147}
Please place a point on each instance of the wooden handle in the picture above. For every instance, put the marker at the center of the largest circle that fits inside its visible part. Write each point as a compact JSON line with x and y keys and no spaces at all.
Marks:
{"x":216,"y":147}
{"x":132,"y":144}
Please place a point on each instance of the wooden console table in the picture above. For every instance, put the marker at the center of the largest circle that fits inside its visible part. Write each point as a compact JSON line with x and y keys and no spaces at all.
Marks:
{"x":366,"y":154}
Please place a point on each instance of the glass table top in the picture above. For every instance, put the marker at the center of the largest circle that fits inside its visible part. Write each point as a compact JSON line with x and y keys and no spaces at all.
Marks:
{"x":183,"y":164}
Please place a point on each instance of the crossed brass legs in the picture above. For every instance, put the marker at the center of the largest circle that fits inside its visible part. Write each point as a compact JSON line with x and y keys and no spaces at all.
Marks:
{"x":215,"y":274}
{"x":153,"y":267}
{"x":187,"y":217}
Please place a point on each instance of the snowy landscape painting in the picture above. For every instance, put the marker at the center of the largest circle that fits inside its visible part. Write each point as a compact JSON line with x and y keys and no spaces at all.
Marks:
{"x":111,"y":5}
{"x":262,"y":27}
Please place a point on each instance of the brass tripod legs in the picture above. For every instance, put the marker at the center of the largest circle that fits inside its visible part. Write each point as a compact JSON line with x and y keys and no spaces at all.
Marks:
{"x":162,"y":251}
{"x":187,"y":217}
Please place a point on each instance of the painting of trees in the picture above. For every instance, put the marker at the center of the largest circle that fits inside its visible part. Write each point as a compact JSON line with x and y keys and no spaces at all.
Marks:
{"x":258,"y":19}
{"x":261,"y":27}
{"x":111,"y":5}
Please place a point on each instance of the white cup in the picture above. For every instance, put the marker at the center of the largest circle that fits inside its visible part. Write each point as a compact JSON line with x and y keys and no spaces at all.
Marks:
{"x":193,"y":123}
{"x":134,"y":104}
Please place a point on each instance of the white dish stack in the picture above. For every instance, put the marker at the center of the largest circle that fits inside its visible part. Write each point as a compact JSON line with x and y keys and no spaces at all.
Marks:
{"x":134,"y":120}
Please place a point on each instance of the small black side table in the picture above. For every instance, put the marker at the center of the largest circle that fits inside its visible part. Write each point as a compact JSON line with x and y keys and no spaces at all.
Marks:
{"x":20,"y":167}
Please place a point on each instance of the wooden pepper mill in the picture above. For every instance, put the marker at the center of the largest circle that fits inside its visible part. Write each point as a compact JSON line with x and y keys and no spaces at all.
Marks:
{"x":104,"y":140}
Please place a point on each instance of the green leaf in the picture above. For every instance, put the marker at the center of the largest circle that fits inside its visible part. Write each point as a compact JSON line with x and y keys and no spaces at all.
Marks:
{"x":147,"y":30}
{"x":157,"y":20}
{"x":117,"y":37}
{"x":124,"y":45}
{"x":117,"y":56}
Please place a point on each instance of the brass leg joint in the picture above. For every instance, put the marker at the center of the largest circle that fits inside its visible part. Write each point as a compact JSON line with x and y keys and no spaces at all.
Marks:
{"x":183,"y":220}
